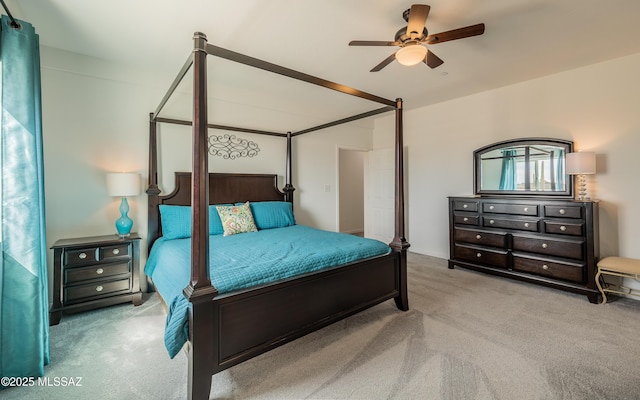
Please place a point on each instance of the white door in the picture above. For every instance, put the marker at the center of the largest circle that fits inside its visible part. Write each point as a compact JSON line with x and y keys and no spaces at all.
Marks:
{"x":380,"y":195}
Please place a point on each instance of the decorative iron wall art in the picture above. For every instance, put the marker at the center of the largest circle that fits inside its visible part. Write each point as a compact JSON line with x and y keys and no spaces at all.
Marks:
{"x":231,"y":147}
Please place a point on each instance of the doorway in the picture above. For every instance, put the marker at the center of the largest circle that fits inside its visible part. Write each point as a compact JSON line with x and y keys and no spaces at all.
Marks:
{"x":351,"y":191}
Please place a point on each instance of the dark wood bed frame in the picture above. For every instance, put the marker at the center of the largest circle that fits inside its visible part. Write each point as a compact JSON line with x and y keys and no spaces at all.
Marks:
{"x":227,"y":329}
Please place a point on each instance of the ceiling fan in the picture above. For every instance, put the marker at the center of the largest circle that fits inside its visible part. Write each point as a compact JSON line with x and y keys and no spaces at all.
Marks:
{"x":411,"y":39}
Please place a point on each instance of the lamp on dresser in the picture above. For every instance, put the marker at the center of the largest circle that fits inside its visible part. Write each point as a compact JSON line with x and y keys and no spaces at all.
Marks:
{"x":123,"y":185}
{"x":580,"y":164}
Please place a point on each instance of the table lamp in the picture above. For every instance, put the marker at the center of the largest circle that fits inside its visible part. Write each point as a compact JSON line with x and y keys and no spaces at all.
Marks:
{"x":581,"y":163}
{"x":123,"y":185}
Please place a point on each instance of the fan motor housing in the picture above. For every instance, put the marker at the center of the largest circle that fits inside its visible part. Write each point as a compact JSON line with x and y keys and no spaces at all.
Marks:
{"x":404,"y":38}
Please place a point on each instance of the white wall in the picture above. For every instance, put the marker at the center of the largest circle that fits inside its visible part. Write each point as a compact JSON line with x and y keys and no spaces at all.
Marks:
{"x":595,"y":106}
{"x":95,"y":120}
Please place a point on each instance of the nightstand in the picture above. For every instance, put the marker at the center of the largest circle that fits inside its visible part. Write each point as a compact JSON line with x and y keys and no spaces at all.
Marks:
{"x":94,"y":272}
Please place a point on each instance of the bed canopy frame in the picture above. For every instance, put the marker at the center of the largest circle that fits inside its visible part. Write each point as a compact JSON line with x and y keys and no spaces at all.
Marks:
{"x":200,"y":292}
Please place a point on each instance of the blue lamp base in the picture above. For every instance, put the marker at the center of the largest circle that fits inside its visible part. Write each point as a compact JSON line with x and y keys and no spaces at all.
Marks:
{"x":124,"y":223}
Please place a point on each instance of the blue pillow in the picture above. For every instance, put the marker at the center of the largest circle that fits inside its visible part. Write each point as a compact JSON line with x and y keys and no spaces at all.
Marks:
{"x":176,"y":221}
{"x":272,"y":214}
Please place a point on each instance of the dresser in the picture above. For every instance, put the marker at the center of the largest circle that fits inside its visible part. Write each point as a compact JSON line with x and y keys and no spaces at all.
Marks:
{"x":544,"y":241}
{"x":93,"y":272}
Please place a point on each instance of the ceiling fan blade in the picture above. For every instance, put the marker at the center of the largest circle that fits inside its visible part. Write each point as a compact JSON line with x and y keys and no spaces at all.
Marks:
{"x":432,"y":60}
{"x":384,"y":63}
{"x":460,"y":33}
{"x":417,"y":18}
{"x":372,"y":43}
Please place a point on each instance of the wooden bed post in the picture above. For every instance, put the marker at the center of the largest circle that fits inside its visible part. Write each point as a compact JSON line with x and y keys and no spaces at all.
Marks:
{"x":153,"y":191}
{"x":399,"y":243}
{"x":288,"y":187}
{"x":200,"y":292}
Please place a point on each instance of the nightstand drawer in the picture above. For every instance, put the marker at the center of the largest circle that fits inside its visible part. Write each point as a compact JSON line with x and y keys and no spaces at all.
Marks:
{"x":83,"y":256}
{"x":113,"y":252}
{"x":95,"y":272}
{"x":98,"y":289}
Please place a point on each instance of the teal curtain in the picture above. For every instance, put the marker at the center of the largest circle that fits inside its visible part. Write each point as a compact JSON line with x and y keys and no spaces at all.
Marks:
{"x":508,"y":173}
{"x":560,"y":170}
{"x":24,"y":320}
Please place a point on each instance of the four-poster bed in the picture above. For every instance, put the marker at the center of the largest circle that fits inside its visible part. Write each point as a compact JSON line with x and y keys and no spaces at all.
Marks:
{"x":225,"y":329}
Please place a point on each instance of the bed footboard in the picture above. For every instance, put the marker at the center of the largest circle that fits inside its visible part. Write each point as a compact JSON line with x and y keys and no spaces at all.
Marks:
{"x":253,"y":322}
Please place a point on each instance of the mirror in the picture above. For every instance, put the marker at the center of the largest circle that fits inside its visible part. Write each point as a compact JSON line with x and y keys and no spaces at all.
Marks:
{"x":531,"y":166}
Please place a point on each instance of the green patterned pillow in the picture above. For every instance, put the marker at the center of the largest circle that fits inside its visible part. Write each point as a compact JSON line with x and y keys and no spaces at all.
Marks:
{"x":236,"y":219}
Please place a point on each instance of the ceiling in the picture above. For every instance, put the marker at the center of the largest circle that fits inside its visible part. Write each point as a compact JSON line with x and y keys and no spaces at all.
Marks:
{"x":524,"y":39}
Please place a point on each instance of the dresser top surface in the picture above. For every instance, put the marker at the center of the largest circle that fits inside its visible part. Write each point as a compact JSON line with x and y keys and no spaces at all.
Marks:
{"x":516,"y":199}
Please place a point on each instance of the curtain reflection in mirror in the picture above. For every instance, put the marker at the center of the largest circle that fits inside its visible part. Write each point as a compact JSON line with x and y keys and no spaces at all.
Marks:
{"x":508,"y":173}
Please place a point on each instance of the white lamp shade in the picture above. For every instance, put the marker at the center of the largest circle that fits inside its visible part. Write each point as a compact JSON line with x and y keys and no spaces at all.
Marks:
{"x":123,"y":184}
{"x":582,"y":162}
{"x":411,"y":54}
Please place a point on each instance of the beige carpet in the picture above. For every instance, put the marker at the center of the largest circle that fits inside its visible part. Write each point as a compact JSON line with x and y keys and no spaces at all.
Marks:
{"x":467,"y":336}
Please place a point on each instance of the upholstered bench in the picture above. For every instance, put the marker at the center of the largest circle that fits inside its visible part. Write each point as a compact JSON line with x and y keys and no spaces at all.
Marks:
{"x":621,"y":267}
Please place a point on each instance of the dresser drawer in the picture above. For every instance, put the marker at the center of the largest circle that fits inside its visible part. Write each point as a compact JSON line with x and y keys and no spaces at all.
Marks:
{"x":563,"y":228}
{"x":496,"y":258}
{"x":530,"y":225}
{"x":563,"y":211}
{"x":552,"y":268}
{"x":73,"y":275}
{"x":513,"y":209}
{"x":466,"y":219}
{"x":97,"y":289}
{"x":483,"y":238}
{"x":552,"y":247}
{"x":465,"y":205}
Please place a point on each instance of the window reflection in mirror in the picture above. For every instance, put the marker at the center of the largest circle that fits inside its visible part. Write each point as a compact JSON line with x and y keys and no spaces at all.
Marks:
{"x":523,"y":166}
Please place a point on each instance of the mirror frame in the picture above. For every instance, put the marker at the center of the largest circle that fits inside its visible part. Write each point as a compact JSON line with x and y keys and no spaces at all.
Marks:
{"x":567,"y":145}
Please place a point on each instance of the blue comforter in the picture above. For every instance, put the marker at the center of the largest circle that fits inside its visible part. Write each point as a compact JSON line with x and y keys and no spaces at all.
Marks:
{"x":246,"y":260}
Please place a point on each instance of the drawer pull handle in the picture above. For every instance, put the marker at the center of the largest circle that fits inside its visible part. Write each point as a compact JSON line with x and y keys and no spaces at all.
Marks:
{"x":116,"y":251}
{"x":82,"y":256}
{"x":544,"y":245}
{"x":99,"y":271}
{"x":526,"y":209}
{"x":491,"y":221}
{"x":562,"y":211}
{"x":99,"y":288}
{"x":478,"y":255}
{"x":465,"y":219}
{"x":526,"y":224}
{"x":545,"y":267}
{"x":465,"y":205}
{"x":563,"y":228}
{"x":478,"y":237}
{"x":491,"y":207}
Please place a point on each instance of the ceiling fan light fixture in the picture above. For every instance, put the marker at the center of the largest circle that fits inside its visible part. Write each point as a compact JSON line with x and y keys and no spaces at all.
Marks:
{"x":411,"y":55}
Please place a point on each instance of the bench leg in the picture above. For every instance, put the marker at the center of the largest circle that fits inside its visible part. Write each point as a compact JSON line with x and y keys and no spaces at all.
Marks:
{"x":604,"y":296}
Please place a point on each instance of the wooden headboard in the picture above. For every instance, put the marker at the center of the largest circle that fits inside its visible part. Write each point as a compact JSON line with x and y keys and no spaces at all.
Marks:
{"x":223,"y":188}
